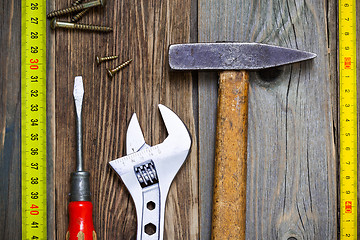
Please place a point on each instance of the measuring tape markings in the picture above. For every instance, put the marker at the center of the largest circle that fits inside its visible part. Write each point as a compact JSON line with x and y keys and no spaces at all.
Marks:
{"x":33,"y":119}
{"x":348,"y":119}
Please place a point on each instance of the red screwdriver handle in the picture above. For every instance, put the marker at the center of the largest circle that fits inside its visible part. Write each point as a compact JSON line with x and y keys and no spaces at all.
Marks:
{"x":80,"y":221}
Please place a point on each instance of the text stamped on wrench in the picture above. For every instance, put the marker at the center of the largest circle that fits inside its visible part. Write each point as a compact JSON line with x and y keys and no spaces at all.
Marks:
{"x":126,"y":163}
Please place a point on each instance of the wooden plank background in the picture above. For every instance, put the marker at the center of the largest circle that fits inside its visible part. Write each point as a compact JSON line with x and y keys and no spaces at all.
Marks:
{"x":10,"y":192}
{"x":142,"y":31}
{"x":291,"y":151}
{"x":293,"y":115}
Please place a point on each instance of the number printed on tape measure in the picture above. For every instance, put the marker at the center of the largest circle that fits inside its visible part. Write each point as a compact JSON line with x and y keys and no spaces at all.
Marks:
{"x":348,"y":119}
{"x":33,"y":119}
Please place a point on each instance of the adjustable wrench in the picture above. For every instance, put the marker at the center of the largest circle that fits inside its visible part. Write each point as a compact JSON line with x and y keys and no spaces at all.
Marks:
{"x":148,"y":171}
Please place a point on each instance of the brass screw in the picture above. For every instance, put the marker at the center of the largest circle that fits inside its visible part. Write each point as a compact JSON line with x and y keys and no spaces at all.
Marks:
{"x":79,"y":15}
{"x":112,"y":71}
{"x":103,"y":59}
{"x":54,"y":24}
{"x":76,"y":8}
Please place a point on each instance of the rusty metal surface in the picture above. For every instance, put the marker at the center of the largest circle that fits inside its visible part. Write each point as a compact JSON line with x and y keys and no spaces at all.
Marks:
{"x":230,"y":167}
{"x":232,"y":56}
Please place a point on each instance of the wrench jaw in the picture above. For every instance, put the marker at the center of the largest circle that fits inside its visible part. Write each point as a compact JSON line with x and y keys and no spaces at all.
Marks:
{"x":134,"y":136}
{"x":177,"y":145}
{"x":178,"y":134}
{"x":148,"y":172}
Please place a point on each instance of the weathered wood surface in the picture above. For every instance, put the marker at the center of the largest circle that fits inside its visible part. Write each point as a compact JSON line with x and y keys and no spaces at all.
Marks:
{"x":292,"y":126}
{"x":10,"y":192}
{"x":291,"y":191}
{"x":142,"y":31}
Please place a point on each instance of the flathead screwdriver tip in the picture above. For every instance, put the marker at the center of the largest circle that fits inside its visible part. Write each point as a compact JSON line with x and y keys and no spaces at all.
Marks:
{"x":78,"y":94}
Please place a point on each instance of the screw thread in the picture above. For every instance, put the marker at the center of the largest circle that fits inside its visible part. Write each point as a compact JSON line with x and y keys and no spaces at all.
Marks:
{"x":78,"y":16}
{"x":65,"y":11}
{"x":102,"y":59}
{"x":92,"y":27}
{"x":122,"y":65}
{"x":112,"y":71}
{"x":109,"y":58}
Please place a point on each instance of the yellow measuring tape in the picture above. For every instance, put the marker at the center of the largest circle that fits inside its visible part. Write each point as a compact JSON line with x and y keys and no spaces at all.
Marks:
{"x":33,"y":119}
{"x":348,"y":119}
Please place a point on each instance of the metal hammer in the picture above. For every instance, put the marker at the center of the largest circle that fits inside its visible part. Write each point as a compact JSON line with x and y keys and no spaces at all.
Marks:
{"x":233,"y":60}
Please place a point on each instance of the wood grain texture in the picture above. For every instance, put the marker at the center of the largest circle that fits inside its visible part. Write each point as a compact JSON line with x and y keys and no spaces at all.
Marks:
{"x":292,"y":130}
{"x":291,"y":191}
{"x":229,"y":202}
{"x":10,"y":110}
{"x":207,"y":91}
{"x":142,"y":31}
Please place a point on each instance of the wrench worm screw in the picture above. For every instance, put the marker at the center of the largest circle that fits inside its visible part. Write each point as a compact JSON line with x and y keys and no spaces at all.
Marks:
{"x":112,"y":71}
{"x":103,"y":59}
{"x":55,"y":24}
{"x":76,"y":8}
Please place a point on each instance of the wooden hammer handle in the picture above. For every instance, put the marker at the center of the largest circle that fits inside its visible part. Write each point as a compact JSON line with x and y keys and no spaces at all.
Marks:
{"x":229,"y":201}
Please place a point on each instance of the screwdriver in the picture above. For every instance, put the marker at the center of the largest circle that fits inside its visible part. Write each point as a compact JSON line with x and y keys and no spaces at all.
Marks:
{"x":80,"y":207}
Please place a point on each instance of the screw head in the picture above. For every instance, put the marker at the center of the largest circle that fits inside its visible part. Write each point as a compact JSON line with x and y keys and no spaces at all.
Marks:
{"x":98,"y":60}
{"x":53,"y":23}
{"x":110,"y":73}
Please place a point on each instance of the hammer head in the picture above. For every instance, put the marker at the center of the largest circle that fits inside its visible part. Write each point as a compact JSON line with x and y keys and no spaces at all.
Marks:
{"x":232,"y":56}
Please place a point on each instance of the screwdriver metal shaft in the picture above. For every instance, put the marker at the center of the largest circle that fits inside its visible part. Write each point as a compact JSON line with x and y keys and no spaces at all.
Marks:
{"x":78,"y":97}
